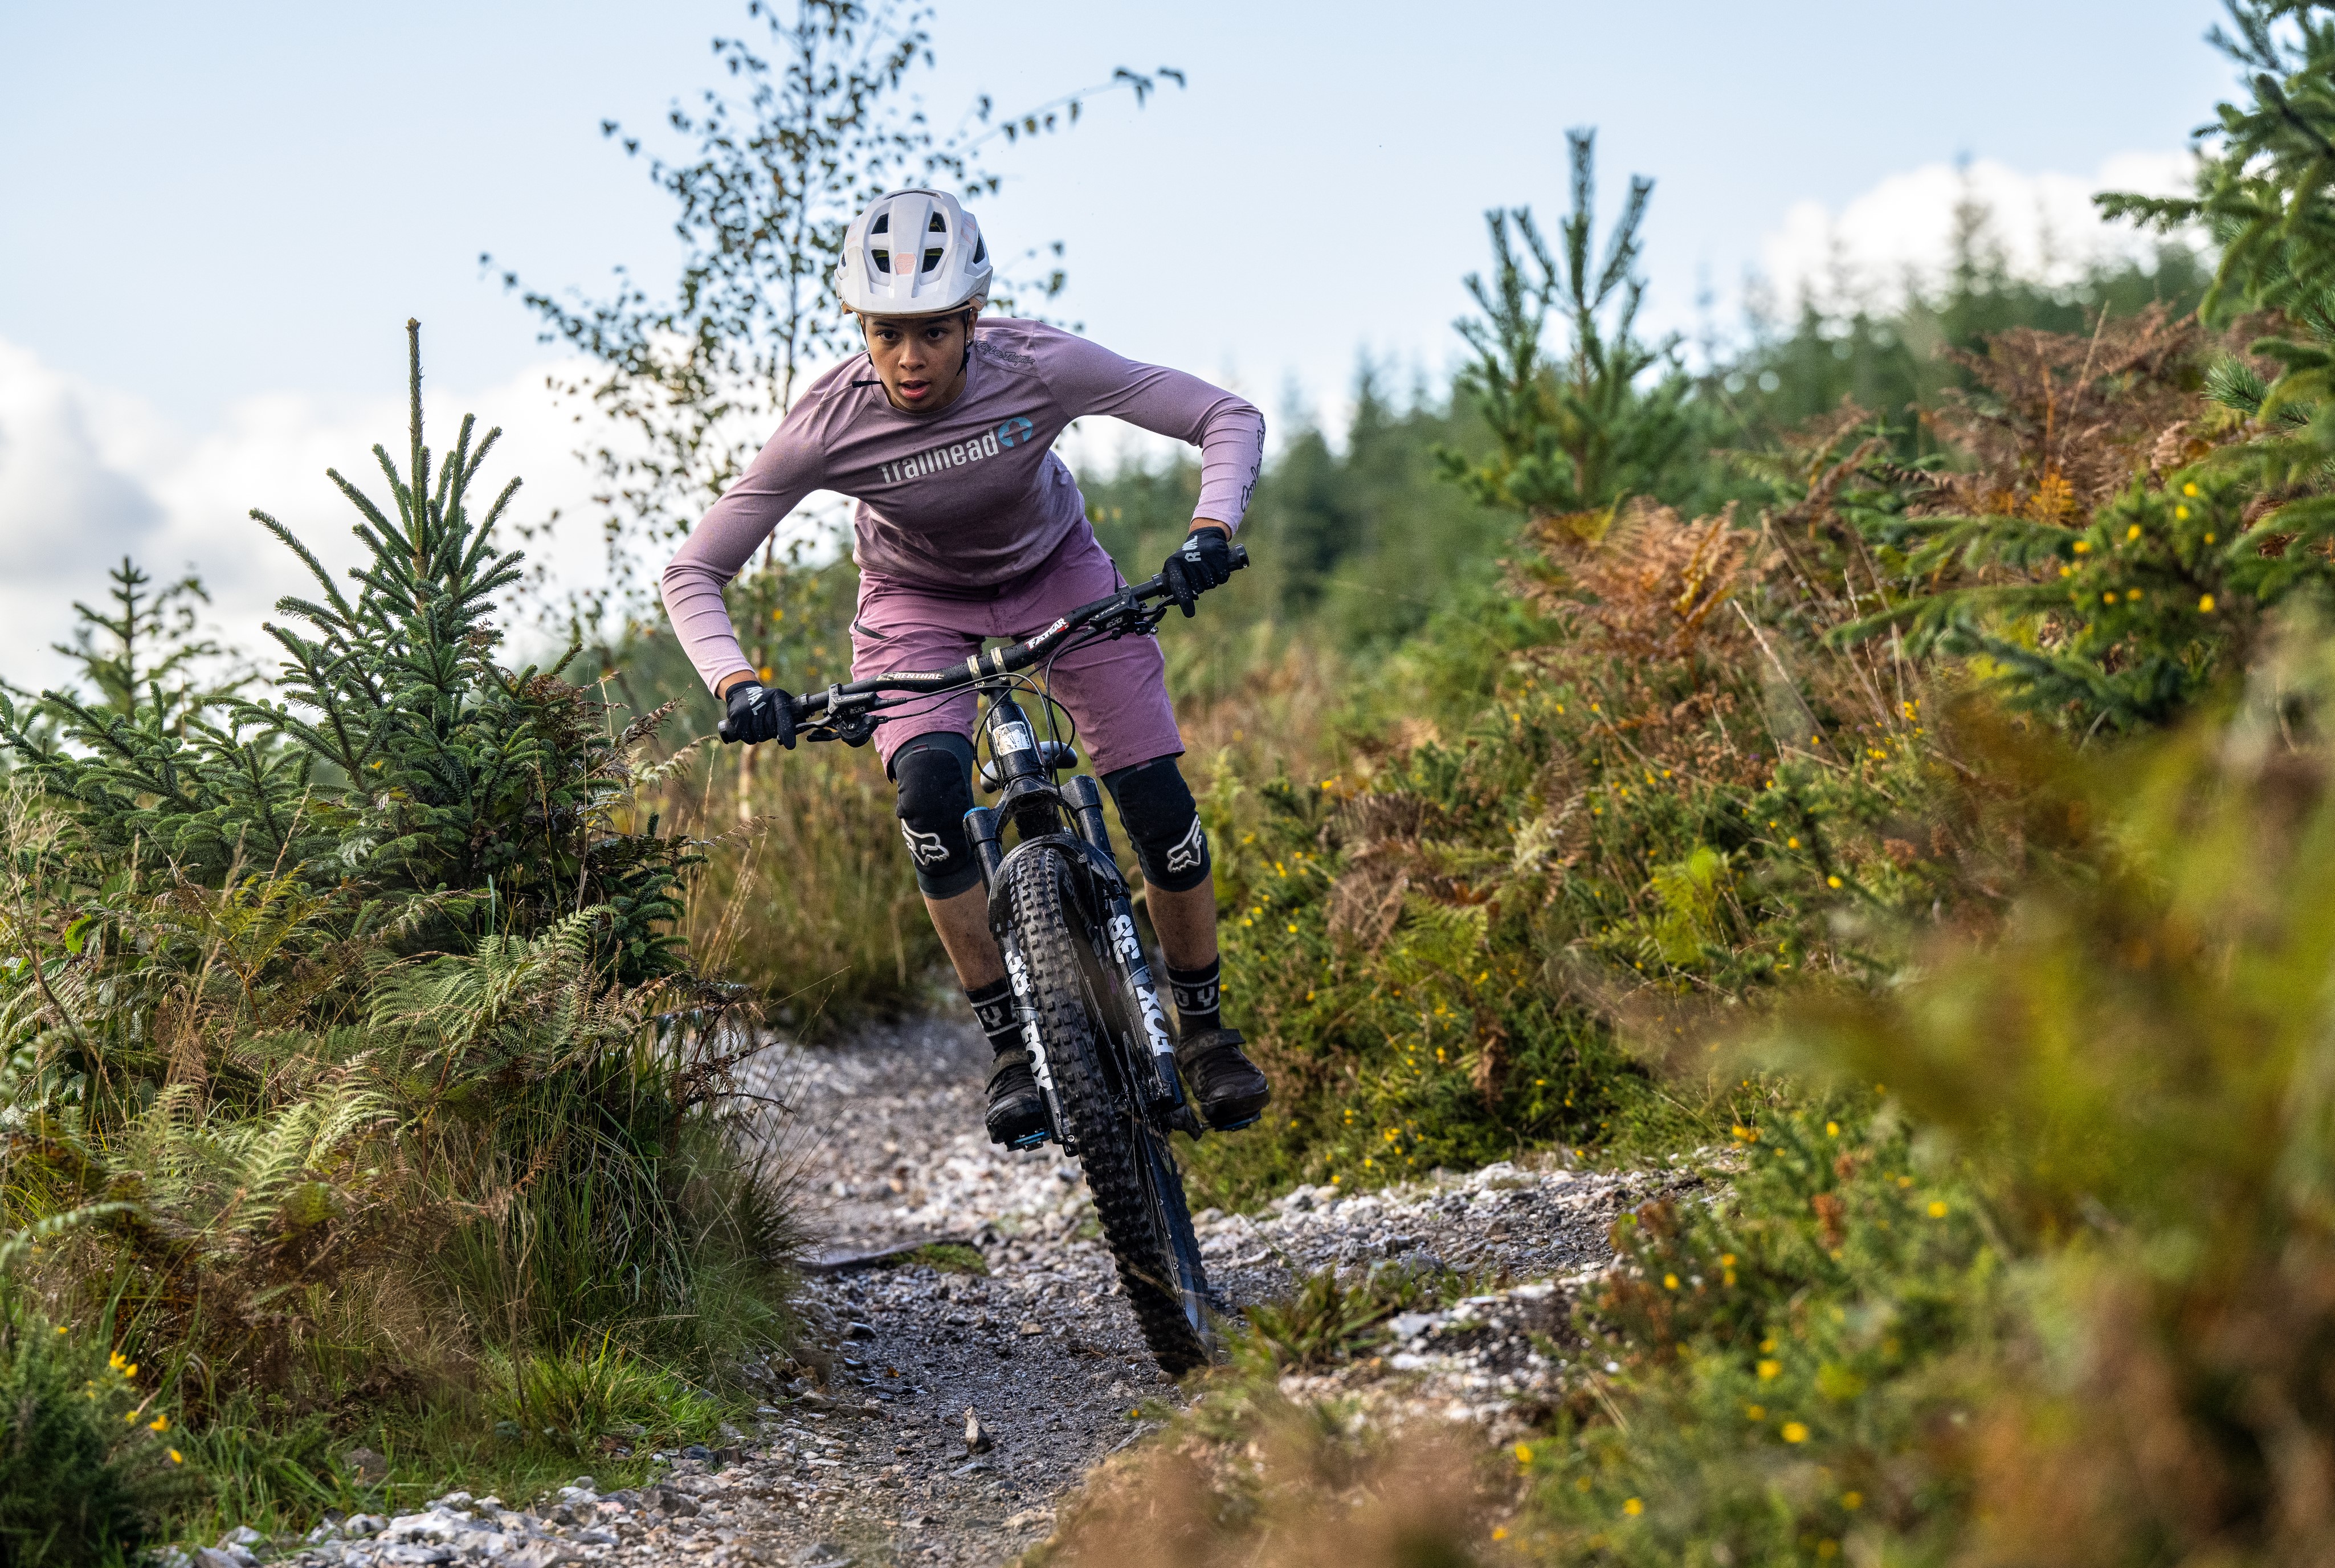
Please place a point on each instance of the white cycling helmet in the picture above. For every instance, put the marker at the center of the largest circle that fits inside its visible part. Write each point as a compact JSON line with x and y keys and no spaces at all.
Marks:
{"x":913,"y":253}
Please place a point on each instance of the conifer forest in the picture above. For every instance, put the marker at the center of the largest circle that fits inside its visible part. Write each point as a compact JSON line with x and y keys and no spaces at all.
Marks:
{"x":1872,"y":787}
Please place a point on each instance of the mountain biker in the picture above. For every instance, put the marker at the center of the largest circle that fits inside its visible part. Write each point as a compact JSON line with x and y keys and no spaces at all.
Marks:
{"x":969,"y":527}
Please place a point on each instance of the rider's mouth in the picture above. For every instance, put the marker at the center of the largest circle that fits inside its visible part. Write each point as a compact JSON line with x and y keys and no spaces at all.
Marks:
{"x":914,"y":391}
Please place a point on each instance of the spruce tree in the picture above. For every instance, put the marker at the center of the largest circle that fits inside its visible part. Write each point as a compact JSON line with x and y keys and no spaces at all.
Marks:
{"x":1574,"y":437}
{"x":400,"y":767}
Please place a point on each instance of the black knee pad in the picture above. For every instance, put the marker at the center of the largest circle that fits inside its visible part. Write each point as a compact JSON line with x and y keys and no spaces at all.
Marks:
{"x":935,"y":773}
{"x":1160,"y":816}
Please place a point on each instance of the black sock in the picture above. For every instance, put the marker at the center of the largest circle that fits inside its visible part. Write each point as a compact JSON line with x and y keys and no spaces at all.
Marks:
{"x":1198,"y":1000}
{"x":993,"y":1004}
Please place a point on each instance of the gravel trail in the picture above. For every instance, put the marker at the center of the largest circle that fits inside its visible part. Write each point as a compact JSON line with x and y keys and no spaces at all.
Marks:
{"x":864,"y":1459}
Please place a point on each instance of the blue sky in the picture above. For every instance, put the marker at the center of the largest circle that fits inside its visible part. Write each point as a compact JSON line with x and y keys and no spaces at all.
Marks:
{"x":215,"y":220}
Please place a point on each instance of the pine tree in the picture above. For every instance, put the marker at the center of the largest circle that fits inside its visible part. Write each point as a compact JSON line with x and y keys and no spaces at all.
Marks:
{"x":1573,"y":438}
{"x":400,"y":768}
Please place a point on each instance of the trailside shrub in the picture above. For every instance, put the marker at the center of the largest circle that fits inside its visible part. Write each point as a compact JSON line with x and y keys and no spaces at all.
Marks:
{"x":1782,"y":1355}
{"x":347,"y":1040}
{"x":87,"y":1468}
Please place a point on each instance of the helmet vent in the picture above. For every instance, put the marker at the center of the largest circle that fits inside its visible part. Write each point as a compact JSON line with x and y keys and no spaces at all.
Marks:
{"x":883,"y":224}
{"x":883,"y":259}
{"x":937,"y":226}
{"x":980,"y":251}
{"x":932,"y":260}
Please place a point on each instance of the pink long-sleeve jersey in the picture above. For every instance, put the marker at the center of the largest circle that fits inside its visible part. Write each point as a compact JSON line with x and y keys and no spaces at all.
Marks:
{"x":964,"y":500}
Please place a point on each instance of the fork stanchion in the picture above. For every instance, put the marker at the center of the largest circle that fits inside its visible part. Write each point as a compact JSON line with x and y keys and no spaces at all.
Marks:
{"x":981,"y":826}
{"x":1086,"y":809}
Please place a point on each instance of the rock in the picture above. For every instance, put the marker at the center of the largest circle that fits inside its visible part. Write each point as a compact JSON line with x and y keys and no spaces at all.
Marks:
{"x":859,"y":1331}
{"x":542,"y":1555}
{"x":698,"y":1451}
{"x":976,"y":1436}
{"x":415,"y":1556}
{"x":242,"y":1535}
{"x":972,"y":1468}
{"x":584,"y":1484}
{"x":451,"y":1500}
{"x":212,"y":1557}
{"x":370,"y":1467}
{"x":1031,"y":1328}
{"x":357,"y":1526}
{"x":822,"y":1554}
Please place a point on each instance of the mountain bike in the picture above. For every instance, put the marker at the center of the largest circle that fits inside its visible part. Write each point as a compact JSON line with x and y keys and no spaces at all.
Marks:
{"x":1064,"y":920}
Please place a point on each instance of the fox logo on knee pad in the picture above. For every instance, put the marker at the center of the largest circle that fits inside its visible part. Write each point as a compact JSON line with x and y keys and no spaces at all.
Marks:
{"x":1190,"y":852}
{"x":924,"y":849}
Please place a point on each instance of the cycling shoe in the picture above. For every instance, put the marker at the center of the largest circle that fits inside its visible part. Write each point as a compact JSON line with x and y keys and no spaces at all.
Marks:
{"x":1232,"y":1093}
{"x":1017,"y":1112}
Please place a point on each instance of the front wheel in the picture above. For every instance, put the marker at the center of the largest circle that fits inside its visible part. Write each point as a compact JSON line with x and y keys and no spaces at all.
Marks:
{"x":1138,"y":1193}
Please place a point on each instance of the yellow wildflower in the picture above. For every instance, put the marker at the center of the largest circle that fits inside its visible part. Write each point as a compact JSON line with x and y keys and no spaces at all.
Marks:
{"x":1937,"y":1211}
{"x":1634,"y":1507}
{"x":1795,"y":1433}
{"x":1769,"y":1369}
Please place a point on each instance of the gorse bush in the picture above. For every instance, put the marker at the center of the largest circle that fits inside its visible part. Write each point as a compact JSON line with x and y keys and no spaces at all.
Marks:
{"x":87,"y":1467}
{"x":351,"y":1042}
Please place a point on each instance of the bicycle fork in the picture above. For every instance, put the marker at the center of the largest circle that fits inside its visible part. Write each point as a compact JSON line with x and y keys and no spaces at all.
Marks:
{"x":1126,"y":957}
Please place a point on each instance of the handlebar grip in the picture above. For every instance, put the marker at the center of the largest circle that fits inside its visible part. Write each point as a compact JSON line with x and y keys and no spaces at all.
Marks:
{"x":723,"y":730}
{"x":1240,"y":556}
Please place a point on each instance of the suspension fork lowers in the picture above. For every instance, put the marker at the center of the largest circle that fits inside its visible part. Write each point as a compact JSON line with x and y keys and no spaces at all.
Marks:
{"x":1127,"y":951}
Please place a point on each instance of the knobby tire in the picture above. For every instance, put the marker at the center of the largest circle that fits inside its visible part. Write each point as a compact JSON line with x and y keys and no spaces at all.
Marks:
{"x":1115,"y":1147}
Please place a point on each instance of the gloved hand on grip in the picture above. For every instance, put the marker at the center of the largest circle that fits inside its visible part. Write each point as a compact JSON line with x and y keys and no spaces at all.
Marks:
{"x":1203,"y":561}
{"x":758,"y":714}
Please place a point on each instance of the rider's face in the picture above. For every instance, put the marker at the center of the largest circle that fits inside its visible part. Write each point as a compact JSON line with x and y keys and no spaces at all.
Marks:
{"x":921,"y":359}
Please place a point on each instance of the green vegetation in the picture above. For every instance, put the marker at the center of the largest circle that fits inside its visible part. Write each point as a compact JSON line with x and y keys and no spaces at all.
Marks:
{"x":348,"y":1041}
{"x":2015,"y":1243}
{"x":1887,"y":767}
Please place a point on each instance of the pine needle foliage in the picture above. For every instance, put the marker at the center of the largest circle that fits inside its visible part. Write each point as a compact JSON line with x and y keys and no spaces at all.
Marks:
{"x":400,"y":766}
{"x":1575,"y":436}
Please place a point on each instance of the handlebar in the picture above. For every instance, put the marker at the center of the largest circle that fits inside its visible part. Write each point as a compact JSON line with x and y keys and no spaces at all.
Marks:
{"x":996,"y":662}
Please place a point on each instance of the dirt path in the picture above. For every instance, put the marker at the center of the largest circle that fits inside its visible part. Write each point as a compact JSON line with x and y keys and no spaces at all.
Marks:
{"x":867,"y":1463}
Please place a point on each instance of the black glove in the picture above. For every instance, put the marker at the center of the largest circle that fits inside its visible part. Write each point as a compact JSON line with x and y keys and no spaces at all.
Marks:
{"x":758,"y":714}
{"x":1203,"y":561}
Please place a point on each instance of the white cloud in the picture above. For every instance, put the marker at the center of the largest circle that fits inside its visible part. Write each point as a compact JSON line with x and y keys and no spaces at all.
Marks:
{"x":2044,"y":224}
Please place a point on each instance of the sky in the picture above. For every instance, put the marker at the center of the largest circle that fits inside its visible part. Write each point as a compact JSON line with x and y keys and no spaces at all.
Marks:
{"x":215,"y":220}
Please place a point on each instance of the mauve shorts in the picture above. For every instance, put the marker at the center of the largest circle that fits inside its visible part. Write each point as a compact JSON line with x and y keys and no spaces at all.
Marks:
{"x":1117,"y":692}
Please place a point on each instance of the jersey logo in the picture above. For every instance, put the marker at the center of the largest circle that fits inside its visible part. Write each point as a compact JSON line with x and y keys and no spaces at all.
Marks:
{"x":1190,"y":851}
{"x":1014,"y":432}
